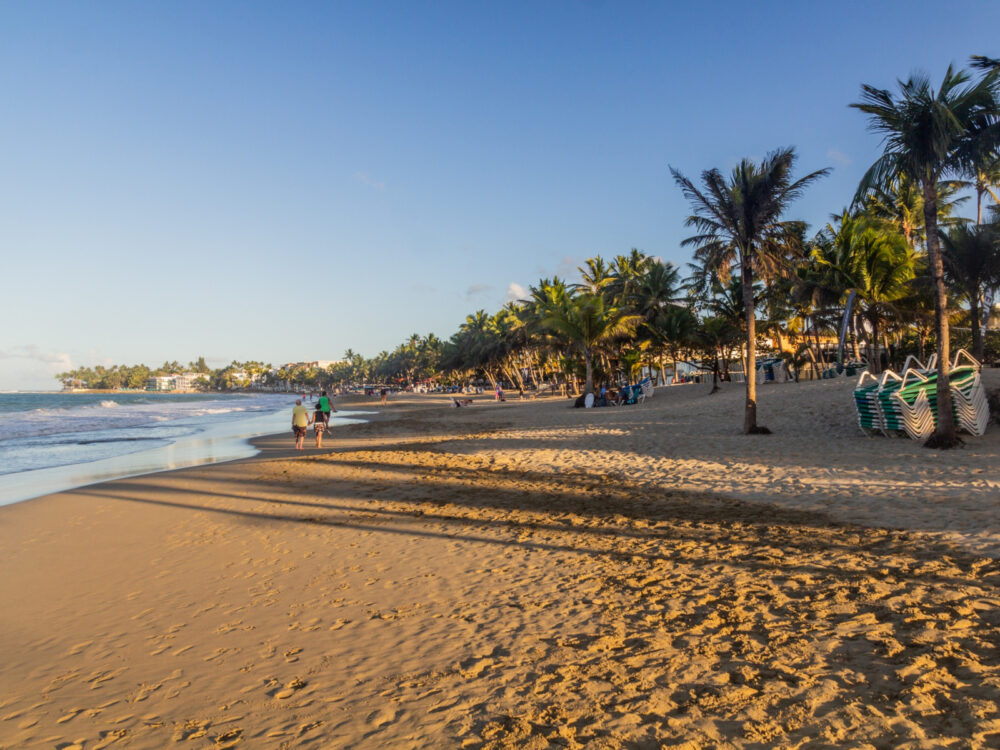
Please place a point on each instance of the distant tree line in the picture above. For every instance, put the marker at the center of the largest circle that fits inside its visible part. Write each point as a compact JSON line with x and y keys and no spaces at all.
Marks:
{"x":134,"y":377}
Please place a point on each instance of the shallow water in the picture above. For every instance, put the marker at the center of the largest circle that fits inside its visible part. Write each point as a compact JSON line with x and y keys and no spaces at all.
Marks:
{"x":54,"y":442}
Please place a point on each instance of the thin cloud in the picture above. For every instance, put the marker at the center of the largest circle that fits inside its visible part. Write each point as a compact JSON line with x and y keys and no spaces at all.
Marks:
{"x":839,"y":157}
{"x":364,"y":179}
{"x":478,"y":289}
{"x":32,"y":352}
{"x":568,"y":268}
{"x":515,"y":292}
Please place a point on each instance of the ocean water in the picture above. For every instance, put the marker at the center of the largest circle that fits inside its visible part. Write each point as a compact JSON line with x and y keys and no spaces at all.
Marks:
{"x":55,"y":441}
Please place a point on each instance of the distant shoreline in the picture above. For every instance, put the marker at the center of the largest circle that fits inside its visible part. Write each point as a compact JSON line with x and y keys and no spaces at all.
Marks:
{"x":112,"y":391}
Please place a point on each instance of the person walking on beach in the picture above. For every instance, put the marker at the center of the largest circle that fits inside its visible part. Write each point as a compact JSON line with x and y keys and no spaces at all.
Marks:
{"x":385,"y":395}
{"x":300,"y":423}
{"x":319,"y":421}
{"x":324,"y":404}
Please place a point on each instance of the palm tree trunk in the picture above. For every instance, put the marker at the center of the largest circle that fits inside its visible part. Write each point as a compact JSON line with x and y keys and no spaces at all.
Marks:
{"x":945,"y":435}
{"x":750,"y":413}
{"x":587,"y":358}
{"x":876,"y":353}
{"x":977,"y":331}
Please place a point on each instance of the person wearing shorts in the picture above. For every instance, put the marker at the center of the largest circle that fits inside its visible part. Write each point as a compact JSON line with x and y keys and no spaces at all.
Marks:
{"x":318,"y":421}
{"x":300,"y":423}
{"x":326,"y":406}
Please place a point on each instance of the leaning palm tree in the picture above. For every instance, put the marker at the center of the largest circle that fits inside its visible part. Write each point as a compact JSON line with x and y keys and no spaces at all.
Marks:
{"x":587,"y":322}
{"x":926,"y":136}
{"x":972,"y":266}
{"x":739,"y":224}
{"x":871,"y":259}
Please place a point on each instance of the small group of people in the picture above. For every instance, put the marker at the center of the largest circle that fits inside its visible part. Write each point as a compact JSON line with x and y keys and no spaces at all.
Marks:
{"x":382,"y":393}
{"x":320,"y":420}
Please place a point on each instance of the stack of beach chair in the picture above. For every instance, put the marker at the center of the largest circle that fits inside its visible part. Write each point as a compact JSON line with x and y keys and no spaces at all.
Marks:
{"x":647,"y":388}
{"x":897,"y":404}
{"x":866,"y":403}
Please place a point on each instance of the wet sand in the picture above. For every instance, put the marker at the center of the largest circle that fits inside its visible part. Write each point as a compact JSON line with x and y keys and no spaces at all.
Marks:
{"x":521,"y":575}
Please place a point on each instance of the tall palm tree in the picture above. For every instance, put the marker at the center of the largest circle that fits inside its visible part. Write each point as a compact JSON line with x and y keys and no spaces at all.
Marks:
{"x":587,"y":322}
{"x":972,"y":265}
{"x":739,"y":224}
{"x":926,"y":134}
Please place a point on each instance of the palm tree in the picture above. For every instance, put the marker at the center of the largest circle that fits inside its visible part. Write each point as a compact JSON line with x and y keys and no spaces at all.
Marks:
{"x":984,"y":167}
{"x":596,"y":276}
{"x":871,"y":259}
{"x":972,"y":265}
{"x":739,"y":224}
{"x":985,"y":63}
{"x":926,"y":133}
{"x":901,"y":203}
{"x":672,"y":328}
{"x":627,"y":272}
{"x":587,"y":322}
{"x":657,"y":289}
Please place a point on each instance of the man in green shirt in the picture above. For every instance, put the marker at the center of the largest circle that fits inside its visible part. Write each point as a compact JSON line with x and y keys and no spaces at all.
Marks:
{"x":326,"y":406}
{"x":300,"y":421}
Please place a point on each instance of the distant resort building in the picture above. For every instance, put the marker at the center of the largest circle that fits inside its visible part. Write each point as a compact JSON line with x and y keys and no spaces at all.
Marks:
{"x":185,"y":381}
{"x":160,"y":383}
{"x":318,"y":364}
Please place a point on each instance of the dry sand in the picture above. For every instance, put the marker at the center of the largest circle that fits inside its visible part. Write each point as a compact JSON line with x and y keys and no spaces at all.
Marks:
{"x":521,"y":575}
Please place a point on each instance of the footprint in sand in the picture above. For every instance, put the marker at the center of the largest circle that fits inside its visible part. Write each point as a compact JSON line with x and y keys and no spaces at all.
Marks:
{"x":290,"y":689}
{"x":193,"y":729}
{"x":339,"y":624}
{"x":73,"y":712}
{"x":382,"y":717}
{"x":109,"y":736}
{"x":292,"y":655}
{"x":145,"y":690}
{"x":229,"y":739}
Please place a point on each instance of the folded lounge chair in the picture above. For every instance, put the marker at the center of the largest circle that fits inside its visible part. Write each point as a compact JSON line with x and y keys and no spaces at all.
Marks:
{"x":907,"y":404}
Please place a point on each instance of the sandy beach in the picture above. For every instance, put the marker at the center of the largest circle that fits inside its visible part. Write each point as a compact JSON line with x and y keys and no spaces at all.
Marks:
{"x":521,"y":575}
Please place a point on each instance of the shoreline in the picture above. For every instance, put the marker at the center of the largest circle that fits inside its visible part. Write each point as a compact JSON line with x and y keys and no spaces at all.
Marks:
{"x":216,"y":443}
{"x":515,"y":575}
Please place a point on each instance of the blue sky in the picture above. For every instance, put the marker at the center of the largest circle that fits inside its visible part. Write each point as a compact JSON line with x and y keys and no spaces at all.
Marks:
{"x":282,"y":181}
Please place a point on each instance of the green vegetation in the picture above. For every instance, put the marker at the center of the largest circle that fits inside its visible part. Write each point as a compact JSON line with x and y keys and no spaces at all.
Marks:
{"x":919,"y":275}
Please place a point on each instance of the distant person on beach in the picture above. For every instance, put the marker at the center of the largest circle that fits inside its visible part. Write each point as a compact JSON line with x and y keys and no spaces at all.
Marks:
{"x":325,"y":406}
{"x":319,"y":421}
{"x":385,"y":395}
{"x":300,"y":423}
